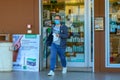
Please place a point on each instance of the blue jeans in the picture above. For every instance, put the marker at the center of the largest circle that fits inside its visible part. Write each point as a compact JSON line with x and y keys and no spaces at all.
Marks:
{"x":61,"y":52}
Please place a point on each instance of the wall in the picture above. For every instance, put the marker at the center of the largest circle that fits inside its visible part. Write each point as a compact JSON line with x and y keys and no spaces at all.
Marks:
{"x":99,"y":8}
{"x":16,"y":14}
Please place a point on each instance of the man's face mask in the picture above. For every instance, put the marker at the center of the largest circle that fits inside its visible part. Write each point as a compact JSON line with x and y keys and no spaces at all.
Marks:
{"x":57,"y":21}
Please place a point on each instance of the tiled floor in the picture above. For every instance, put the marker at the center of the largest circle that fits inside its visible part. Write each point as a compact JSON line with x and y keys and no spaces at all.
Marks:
{"x":19,"y":75}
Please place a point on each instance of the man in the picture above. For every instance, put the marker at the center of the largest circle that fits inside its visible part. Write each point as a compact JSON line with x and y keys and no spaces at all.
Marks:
{"x":60,"y":34}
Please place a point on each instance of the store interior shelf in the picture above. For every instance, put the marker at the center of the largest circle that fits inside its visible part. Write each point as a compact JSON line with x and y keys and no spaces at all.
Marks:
{"x":74,"y":4}
{"x":75,"y":43}
{"x":73,"y":54}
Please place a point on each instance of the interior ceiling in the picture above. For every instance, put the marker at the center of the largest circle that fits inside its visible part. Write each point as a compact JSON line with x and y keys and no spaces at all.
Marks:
{"x":114,"y":0}
{"x":74,"y":1}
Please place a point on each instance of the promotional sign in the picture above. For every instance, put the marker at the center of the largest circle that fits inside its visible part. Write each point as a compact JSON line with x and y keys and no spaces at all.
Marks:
{"x":26,"y":52}
{"x":99,"y":23}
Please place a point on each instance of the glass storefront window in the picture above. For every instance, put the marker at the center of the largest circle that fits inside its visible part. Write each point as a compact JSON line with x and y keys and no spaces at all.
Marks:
{"x":113,"y":33}
{"x":114,"y":16}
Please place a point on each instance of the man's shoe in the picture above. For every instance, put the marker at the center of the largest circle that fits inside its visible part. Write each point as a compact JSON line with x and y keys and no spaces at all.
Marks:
{"x":51,"y":73}
{"x":64,"y":71}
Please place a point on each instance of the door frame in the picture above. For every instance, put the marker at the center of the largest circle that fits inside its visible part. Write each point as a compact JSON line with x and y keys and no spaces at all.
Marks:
{"x":87,"y":39}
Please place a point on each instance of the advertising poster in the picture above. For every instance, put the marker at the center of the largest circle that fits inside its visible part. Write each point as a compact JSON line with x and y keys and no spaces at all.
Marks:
{"x":26,"y":52}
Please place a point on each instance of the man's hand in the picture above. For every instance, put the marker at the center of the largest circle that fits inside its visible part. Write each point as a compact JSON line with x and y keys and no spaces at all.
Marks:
{"x":57,"y":35}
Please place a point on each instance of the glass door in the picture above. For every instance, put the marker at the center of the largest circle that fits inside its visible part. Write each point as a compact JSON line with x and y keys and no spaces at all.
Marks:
{"x":76,"y":15}
{"x":78,"y":22}
{"x":112,"y":33}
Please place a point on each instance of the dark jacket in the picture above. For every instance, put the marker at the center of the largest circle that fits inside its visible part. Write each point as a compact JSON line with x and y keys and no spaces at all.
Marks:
{"x":63,"y":36}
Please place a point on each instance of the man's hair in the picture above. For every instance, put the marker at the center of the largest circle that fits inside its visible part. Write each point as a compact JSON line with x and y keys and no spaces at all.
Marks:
{"x":58,"y":16}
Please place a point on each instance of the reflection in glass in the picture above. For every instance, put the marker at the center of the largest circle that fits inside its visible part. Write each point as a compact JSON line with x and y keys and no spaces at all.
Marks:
{"x":114,"y":18}
{"x":74,"y":11}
